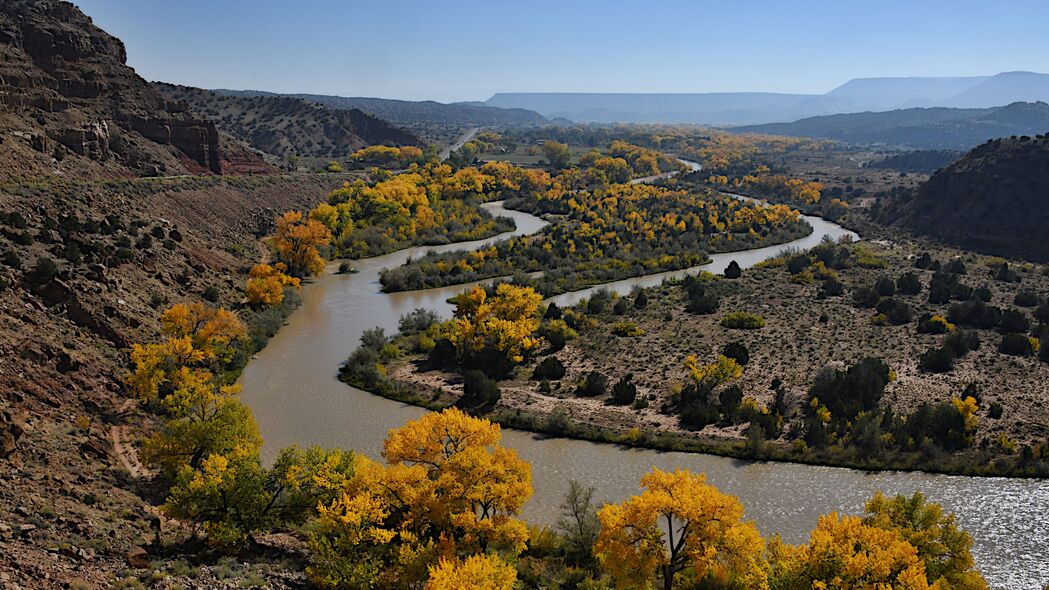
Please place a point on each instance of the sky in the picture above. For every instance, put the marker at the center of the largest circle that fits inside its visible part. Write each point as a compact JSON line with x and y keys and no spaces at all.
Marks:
{"x":450,"y":50}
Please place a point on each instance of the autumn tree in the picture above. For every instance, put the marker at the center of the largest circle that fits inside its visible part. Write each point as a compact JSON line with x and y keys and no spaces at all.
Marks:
{"x":231,"y":495}
{"x":943,"y":547}
{"x":449,"y":490}
{"x":297,"y":242}
{"x":843,"y":552}
{"x":682,"y":528}
{"x":266,"y":284}
{"x":504,"y":324}
{"x":557,"y":154}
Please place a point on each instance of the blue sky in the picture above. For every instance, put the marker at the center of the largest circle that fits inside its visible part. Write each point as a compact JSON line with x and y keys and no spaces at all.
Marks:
{"x":467,"y":50}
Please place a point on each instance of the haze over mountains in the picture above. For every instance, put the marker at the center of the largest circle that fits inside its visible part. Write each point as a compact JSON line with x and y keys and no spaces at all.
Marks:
{"x":749,"y":108}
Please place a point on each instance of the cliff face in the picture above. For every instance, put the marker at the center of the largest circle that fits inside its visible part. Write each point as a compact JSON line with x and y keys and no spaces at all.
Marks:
{"x":995,"y":200}
{"x":66,"y":90}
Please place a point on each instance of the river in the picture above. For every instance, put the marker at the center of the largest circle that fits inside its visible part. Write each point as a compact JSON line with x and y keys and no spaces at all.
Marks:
{"x":292,"y":389}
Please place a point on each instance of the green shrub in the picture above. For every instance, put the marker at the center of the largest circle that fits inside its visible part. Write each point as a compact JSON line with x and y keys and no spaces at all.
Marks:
{"x":593,"y":385}
{"x":1015,"y":345}
{"x":549,"y":369}
{"x":43,"y":272}
{"x":737,"y":351}
{"x":624,"y":391}
{"x":478,"y":389}
{"x":742,"y":320}
{"x":418,"y":320}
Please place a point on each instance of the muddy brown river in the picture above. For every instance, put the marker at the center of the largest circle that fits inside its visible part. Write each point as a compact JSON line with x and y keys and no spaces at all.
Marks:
{"x":292,"y":389}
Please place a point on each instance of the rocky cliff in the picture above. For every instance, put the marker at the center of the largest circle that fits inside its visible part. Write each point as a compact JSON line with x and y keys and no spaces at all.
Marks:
{"x":67,"y":93}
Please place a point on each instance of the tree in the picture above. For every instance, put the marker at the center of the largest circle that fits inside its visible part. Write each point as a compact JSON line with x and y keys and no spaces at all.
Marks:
{"x":733,"y":271}
{"x":231,"y":496}
{"x":579,"y":525}
{"x":557,"y":154}
{"x":593,"y":385}
{"x":843,"y":552}
{"x":480,"y":572}
{"x":504,"y":323}
{"x":266,"y":284}
{"x":944,"y":548}
{"x":710,"y":376}
{"x":297,"y":242}
{"x":448,"y":489}
{"x":679,"y":526}
{"x":624,"y":391}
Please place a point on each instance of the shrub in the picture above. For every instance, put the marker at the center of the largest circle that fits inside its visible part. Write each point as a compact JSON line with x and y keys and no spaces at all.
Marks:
{"x":728,"y":403}
{"x":798,"y":263}
{"x":925,"y":261}
{"x":701,"y":299}
{"x":553,"y":312}
{"x":865,"y":297}
{"x":641,"y":301}
{"x":598,"y":302}
{"x":974,"y":313}
{"x":549,"y":369}
{"x":936,"y":360}
{"x":43,"y":272}
{"x":624,"y":391}
{"x":443,"y":353}
{"x":1014,"y":321}
{"x":831,"y":288}
{"x":621,"y":306}
{"x":418,"y":320}
{"x":627,"y":329}
{"x":1015,"y":345}
{"x":847,"y":393}
{"x":934,"y":324}
{"x":478,"y":389}
{"x":697,"y":414}
{"x":1026,"y":298}
{"x":983,"y":294}
{"x":11,"y":259}
{"x":742,"y":320}
{"x":961,"y":343}
{"x":885,"y":286}
{"x":557,"y":333}
{"x":593,"y":385}
{"x":373,"y":338}
{"x":737,"y":351}
{"x":995,"y":411}
{"x":909,"y":284}
{"x":955,"y":266}
{"x":733,"y":271}
{"x":211,"y":293}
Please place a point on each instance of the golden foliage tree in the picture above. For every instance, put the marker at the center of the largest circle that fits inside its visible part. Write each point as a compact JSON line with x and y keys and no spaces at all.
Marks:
{"x":505,"y":322}
{"x":266,"y":284}
{"x":449,"y":490}
{"x":683,"y":528}
{"x":297,"y":242}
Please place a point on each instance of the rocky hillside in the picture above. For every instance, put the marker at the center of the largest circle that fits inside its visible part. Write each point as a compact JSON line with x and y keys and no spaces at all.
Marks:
{"x":287,"y":126}
{"x":993,"y":200}
{"x":70,"y":105}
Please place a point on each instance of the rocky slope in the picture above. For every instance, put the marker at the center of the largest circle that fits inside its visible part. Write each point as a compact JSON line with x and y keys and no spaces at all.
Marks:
{"x":70,"y":105}
{"x":993,"y":200}
{"x":287,"y":126}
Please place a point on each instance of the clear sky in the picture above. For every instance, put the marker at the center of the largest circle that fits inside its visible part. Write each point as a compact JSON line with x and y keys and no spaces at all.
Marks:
{"x":467,"y":50}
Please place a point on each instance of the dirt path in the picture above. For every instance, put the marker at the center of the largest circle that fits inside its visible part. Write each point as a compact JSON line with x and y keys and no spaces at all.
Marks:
{"x":125,"y":451}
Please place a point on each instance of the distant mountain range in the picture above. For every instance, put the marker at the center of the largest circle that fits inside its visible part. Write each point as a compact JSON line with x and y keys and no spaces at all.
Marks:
{"x":414,"y":113}
{"x":750,"y":108}
{"x":284,"y":126}
{"x":992,"y":200}
{"x":937,"y":128}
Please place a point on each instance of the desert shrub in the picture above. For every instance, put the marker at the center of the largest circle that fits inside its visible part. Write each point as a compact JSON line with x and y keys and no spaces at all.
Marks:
{"x":1002,"y":272}
{"x":42,"y":273}
{"x":737,"y":351}
{"x":926,"y":261}
{"x":1026,"y":298}
{"x":865,"y":297}
{"x":974,"y":313}
{"x":983,"y":294}
{"x":553,"y":312}
{"x":995,"y":411}
{"x":701,"y":298}
{"x":934,"y":324}
{"x":627,"y":329}
{"x":955,"y":266}
{"x":557,"y":333}
{"x":831,"y":288}
{"x":621,"y":306}
{"x":945,"y":286}
{"x":641,"y":301}
{"x":211,"y":293}
{"x":797,"y":263}
{"x":896,"y":311}
{"x":362,"y":368}
{"x":885,"y":286}
{"x":909,"y":284}
{"x":373,"y":338}
{"x":961,"y":343}
{"x":443,"y":353}
{"x":593,"y":385}
{"x":598,"y":302}
{"x":1014,"y":321}
{"x":549,"y":369}
{"x":1015,"y":344}
{"x":742,"y":320}
{"x":11,"y":259}
{"x":697,"y":414}
{"x":733,"y":271}
{"x":847,"y":393}
{"x":478,"y":389}
{"x":936,"y":360}
{"x":624,"y":391}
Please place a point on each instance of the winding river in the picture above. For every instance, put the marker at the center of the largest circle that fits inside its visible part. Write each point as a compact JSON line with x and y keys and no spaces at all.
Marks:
{"x":292,"y":389}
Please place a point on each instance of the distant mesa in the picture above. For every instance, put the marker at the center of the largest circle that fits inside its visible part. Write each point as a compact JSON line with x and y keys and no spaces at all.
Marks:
{"x":752,"y":108}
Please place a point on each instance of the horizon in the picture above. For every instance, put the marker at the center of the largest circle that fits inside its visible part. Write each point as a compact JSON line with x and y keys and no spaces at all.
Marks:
{"x":403,"y":51}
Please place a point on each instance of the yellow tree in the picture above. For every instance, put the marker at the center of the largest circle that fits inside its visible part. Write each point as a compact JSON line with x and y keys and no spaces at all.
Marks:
{"x":266,"y":284}
{"x":680,"y":526}
{"x":944,"y":548}
{"x":449,"y":490}
{"x":505,"y":322}
{"x":297,"y":242}
{"x":845,"y":553}
{"x":214,"y":332}
{"x":710,"y":376}
{"x":477,"y":572}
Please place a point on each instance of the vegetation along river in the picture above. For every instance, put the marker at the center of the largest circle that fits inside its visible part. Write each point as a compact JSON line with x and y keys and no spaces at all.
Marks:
{"x":292,"y":389}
